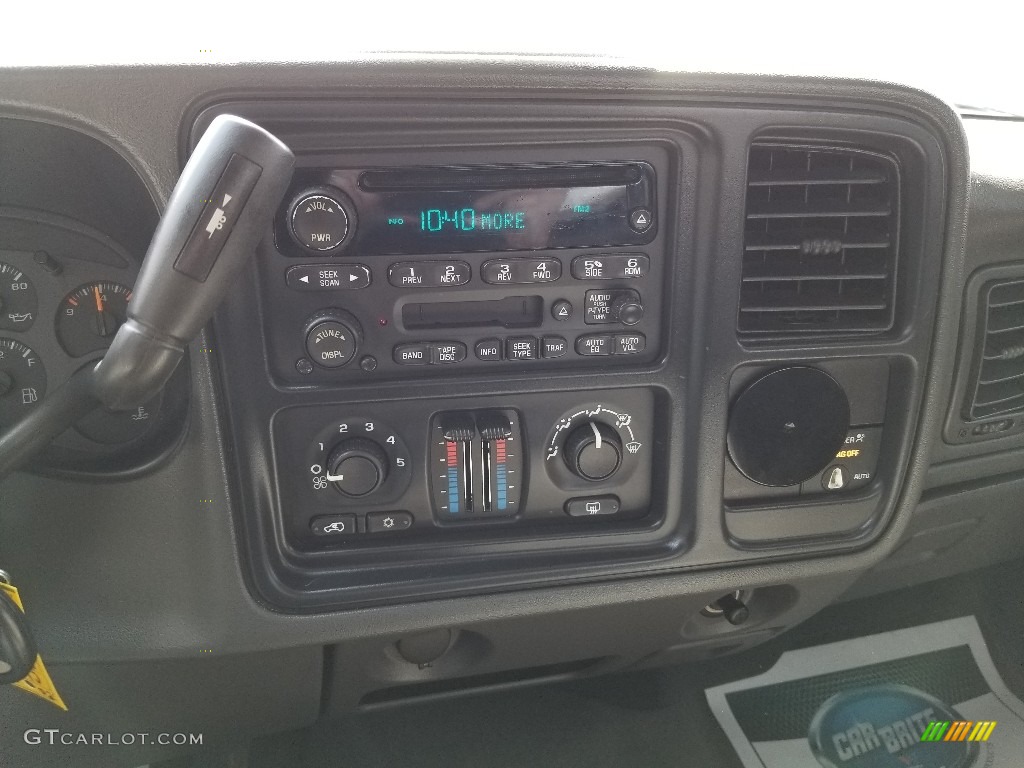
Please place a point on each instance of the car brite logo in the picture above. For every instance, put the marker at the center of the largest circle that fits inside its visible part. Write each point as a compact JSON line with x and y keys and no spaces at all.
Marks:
{"x":893,"y":726}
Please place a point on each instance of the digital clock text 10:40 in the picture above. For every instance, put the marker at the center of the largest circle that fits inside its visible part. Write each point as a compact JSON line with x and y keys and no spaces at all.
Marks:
{"x":469,"y":219}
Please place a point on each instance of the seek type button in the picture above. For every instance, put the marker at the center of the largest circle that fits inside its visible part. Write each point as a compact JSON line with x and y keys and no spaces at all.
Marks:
{"x":521,"y":348}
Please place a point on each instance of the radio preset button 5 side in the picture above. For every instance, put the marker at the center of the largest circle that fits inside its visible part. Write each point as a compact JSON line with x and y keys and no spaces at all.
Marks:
{"x":610,"y":266}
{"x":520,"y":271}
{"x":428,"y":274}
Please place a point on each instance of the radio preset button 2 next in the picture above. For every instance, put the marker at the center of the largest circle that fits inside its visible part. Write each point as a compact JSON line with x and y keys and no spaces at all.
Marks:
{"x":317,"y":277}
{"x":428,"y":274}
{"x":610,"y":266}
{"x":520,"y":271}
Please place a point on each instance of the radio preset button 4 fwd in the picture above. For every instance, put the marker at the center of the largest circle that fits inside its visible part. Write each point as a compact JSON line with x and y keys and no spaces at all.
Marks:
{"x":520,"y":271}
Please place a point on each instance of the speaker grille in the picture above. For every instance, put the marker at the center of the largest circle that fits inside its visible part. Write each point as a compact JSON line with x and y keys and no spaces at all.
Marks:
{"x":820,"y":243}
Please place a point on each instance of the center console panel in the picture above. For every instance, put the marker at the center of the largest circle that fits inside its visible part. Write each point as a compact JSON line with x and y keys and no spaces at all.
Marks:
{"x":549,"y":346}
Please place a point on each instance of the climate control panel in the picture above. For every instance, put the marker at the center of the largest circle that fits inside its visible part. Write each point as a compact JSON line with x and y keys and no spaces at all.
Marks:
{"x":477,"y":467}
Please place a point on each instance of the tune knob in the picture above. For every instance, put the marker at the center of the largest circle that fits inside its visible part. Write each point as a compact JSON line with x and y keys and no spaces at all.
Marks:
{"x":593,"y":451}
{"x":357,"y":467}
{"x":332,"y":338}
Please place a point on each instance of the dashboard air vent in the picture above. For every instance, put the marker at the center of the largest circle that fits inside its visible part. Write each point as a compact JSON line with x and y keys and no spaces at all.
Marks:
{"x":998,"y":383}
{"x":820,"y":245}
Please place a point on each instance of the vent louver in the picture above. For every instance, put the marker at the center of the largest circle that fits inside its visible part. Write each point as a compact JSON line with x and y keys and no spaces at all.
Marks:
{"x":821,"y":241}
{"x":998,"y":384}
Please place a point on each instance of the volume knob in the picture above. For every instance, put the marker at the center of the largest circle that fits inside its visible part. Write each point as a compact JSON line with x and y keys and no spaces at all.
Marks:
{"x":593,"y":451}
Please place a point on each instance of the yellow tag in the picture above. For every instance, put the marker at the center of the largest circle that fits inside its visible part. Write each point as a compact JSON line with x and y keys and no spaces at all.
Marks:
{"x":38,"y":681}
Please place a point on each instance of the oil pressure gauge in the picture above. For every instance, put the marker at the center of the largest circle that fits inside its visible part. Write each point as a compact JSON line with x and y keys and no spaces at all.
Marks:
{"x":17,"y":299}
{"x":90,"y":315}
{"x":22,"y":381}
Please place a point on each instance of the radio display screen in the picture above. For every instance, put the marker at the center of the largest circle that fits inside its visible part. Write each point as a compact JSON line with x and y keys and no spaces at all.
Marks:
{"x":460,"y":210}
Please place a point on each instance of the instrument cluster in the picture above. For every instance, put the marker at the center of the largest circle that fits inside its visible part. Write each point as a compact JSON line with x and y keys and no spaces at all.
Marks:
{"x":60,"y":308}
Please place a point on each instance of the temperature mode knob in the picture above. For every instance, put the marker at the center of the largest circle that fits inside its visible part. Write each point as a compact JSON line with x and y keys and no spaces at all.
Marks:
{"x":593,"y":451}
{"x":357,"y":467}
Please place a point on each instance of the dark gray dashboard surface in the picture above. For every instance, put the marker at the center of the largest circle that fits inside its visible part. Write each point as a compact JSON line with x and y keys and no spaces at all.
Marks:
{"x":126,"y":544}
{"x":150,"y":568}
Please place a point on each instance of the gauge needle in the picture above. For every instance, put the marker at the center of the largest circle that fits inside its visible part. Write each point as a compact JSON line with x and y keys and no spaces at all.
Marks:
{"x":99,"y":298}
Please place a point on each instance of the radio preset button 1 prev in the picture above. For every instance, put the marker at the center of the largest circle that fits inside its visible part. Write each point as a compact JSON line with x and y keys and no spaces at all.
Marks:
{"x":429,"y":274}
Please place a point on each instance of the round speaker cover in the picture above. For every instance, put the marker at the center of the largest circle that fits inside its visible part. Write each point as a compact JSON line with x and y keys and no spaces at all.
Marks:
{"x":788,"y":425}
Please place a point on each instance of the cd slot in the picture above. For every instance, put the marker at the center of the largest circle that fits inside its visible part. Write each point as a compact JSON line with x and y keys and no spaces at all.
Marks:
{"x":510,"y":312}
{"x":500,"y":177}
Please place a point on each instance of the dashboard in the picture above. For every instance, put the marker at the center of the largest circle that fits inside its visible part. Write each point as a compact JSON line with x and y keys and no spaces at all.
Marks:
{"x":545,"y":373}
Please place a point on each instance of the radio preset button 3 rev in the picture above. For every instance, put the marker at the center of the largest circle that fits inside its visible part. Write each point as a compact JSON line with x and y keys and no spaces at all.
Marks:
{"x":429,"y":274}
{"x":520,"y":271}
{"x":610,"y":266}
{"x":317,"y":277}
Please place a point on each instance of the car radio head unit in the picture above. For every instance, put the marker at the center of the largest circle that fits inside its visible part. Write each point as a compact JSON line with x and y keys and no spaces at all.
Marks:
{"x":406,"y":211}
{"x":393,"y":271}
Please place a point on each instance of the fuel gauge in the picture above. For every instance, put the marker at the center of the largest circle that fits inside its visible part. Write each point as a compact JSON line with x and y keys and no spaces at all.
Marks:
{"x":89,"y":317}
{"x":22,"y":381}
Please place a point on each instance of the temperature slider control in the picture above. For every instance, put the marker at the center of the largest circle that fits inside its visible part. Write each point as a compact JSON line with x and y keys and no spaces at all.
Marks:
{"x":476,"y":464}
